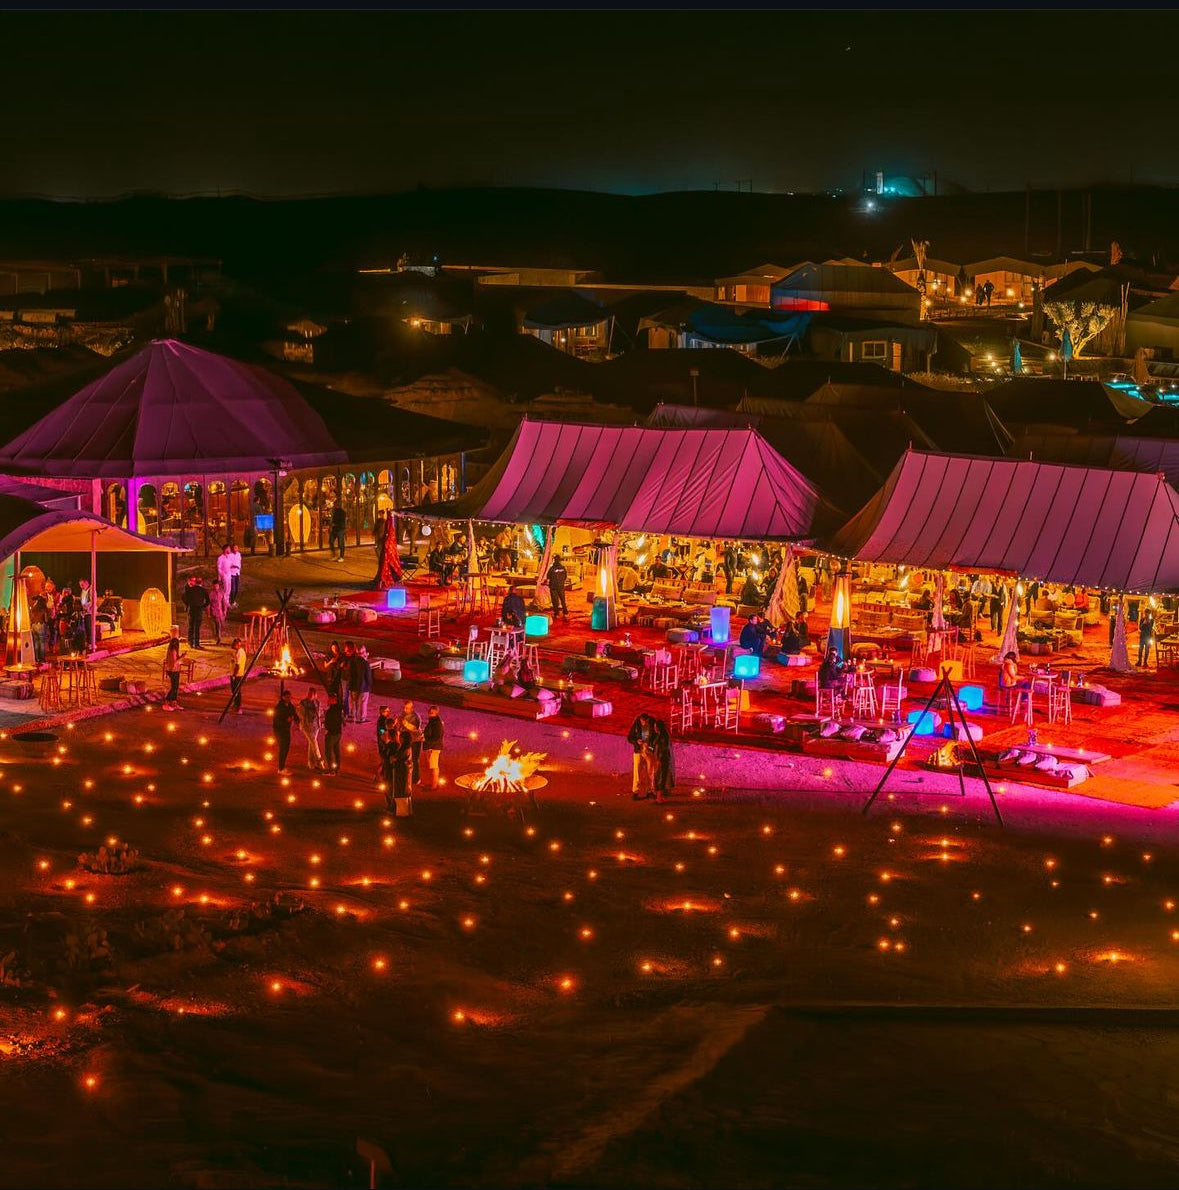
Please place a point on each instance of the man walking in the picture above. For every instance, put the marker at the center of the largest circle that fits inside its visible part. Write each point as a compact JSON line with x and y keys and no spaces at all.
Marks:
{"x":311,"y":724}
{"x":237,"y":674}
{"x":225,"y":570}
{"x":195,"y":599}
{"x":285,"y":715}
{"x":235,"y":573}
{"x":360,"y":683}
{"x":338,"y":526}
{"x":558,"y":577}
{"x":432,"y":746}
{"x":172,"y":670}
{"x":1145,"y":636}
{"x":344,"y":674}
{"x":729,"y":566}
{"x":639,"y":737}
{"x":333,"y":730}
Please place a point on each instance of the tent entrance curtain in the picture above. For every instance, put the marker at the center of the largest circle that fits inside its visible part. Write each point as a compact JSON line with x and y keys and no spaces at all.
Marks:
{"x":785,"y":602}
{"x":544,"y":599}
{"x":1119,"y":654}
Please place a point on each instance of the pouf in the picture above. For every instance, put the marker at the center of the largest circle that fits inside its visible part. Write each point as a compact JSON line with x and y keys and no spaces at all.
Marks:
{"x":921,"y":673}
{"x":683,"y":636}
{"x":771,"y":724}
{"x":593,"y":708}
{"x":361,"y":615}
{"x":954,"y":731}
{"x":795,"y":659}
{"x":321,"y":615}
{"x":452,"y":663}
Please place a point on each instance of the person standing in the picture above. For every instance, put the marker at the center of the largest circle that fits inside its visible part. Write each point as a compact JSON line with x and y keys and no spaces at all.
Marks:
{"x":400,"y":766}
{"x":172,"y":657}
{"x":195,"y":599}
{"x":237,"y":674}
{"x":218,"y":608}
{"x":384,"y":748}
{"x":558,"y":579}
{"x":336,"y":532}
{"x":286,"y":714}
{"x":639,"y":736}
{"x":661,"y":760}
{"x":333,"y":731}
{"x":235,"y":573}
{"x":432,"y":747}
{"x":311,"y":724}
{"x":1145,"y":635}
{"x":344,"y":667}
{"x":225,"y":570}
{"x":997,"y":602}
{"x":410,"y":725}
{"x":360,"y":683}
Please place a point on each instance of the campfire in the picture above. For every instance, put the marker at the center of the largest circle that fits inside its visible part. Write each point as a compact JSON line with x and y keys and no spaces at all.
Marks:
{"x":507,"y":773}
{"x":284,"y":666}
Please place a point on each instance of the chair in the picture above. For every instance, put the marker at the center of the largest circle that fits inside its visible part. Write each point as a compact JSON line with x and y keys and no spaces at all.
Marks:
{"x":892,"y":699}
{"x":429,"y":617}
{"x":828,"y":701}
{"x":1060,"y":699}
{"x":478,"y":650}
{"x":920,"y":648}
{"x":965,"y":654}
{"x":728,"y":711}
{"x":683,"y":710}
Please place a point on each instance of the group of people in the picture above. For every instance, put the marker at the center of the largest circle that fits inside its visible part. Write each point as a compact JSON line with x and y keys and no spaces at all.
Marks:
{"x":402,"y":742}
{"x":314,"y":719}
{"x":60,"y":620}
{"x":350,"y":679}
{"x":216,"y":600}
{"x":758,"y":632}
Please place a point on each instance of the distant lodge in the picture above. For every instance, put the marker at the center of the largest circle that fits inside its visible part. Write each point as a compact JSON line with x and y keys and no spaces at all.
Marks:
{"x":196,"y":443}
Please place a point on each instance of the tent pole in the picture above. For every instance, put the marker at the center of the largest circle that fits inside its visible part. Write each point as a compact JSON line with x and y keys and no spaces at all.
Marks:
{"x":93,"y":590}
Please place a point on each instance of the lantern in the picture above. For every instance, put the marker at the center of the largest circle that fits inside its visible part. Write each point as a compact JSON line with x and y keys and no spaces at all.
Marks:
{"x":719,"y":623}
{"x":748,"y":665}
{"x":476,"y":670}
{"x":395,"y":597}
{"x":536,"y":626}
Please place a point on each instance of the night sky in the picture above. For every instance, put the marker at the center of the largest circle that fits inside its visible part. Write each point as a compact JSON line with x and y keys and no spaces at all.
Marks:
{"x":287,"y":103}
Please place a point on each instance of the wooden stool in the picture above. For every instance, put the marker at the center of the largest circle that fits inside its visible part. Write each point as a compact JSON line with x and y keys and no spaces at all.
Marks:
{"x":87,"y":692}
{"x":892,"y":699}
{"x":965,"y":654}
{"x":477,"y":650}
{"x":683,"y":711}
{"x":828,"y":701}
{"x":50,"y":698}
{"x":531,"y":657}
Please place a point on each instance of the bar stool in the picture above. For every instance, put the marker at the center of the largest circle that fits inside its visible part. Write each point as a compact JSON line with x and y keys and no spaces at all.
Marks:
{"x":920,"y":649}
{"x":892,"y":700}
{"x":1021,"y":703}
{"x":864,"y":702}
{"x":531,"y":657}
{"x":429,"y":617}
{"x":965,"y":654}
{"x":828,"y":701}
{"x":87,"y":689}
{"x":50,"y":696}
{"x":477,"y":650}
{"x":1060,"y":700}
{"x":683,"y":710}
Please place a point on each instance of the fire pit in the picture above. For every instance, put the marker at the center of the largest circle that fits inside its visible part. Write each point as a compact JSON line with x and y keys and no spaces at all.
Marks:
{"x":506,"y":783}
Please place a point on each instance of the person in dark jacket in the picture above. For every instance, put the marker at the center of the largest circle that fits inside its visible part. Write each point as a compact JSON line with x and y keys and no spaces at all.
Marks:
{"x":400,"y":766}
{"x":803,"y":594}
{"x":514,"y":612}
{"x":662,"y":760}
{"x":384,"y":747}
{"x":195,"y":599}
{"x":639,"y":737}
{"x":336,"y":532}
{"x":558,"y":578}
{"x":333,"y":731}
{"x":754,"y":634}
{"x":285,"y":715}
{"x":432,"y":734}
{"x":729,"y":566}
{"x":360,"y":683}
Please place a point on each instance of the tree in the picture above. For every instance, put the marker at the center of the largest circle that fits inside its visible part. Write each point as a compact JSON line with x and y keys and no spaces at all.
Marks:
{"x":1084,"y":321}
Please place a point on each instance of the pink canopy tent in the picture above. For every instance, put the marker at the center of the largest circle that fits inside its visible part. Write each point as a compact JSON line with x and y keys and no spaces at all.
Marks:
{"x":173,"y":409}
{"x":1079,"y":525}
{"x":713,"y":482}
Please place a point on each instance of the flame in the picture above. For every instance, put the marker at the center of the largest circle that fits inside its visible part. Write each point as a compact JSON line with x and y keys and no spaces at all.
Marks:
{"x":507,"y":773}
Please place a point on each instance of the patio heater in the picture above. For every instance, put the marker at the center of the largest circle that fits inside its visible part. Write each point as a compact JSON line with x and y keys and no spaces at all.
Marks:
{"x":604,"y":615}
{"x":839,"y":630}
{"x":19,"y":650}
